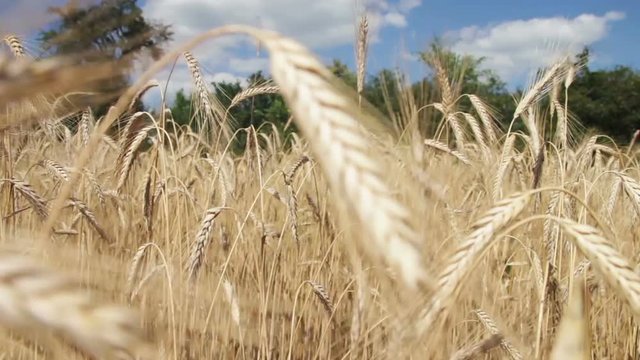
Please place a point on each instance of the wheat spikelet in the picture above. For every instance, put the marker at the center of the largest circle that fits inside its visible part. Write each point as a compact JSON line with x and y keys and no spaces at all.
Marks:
{"x":136,"y":266}
{"x":530,"y":122}
{"x":607,"y":260}
{"x":443,"y":82}
{"x":55,"y":169}
{"x":128,"y":155}
{"x":213,"y":110}
{"x":572,"y":340}
{"x":538,"y":89}
{"x":486,"y":116}
{"x":95,"y":185}
{"x":90,"y":216}
{"x":458,"y":133}
{"x":561,"y":127}
{"x":632,"y":189}
{"x":444,"y":148}
{"x":613,"y":198}
{"x":461,"y":263}
{"x":551,"y":230}
{"x":15,"y":45}
{"x":322,"y":295}
{"x":492,"y":327}
{"x":479,"y":348}
{"x":505,"y":159}
{"x":292,"y":201}
{"x":83,"y":126}
{"x":477,"y":132}
{"x":38,"y":204}
{"x":203,"y":238}
{"x":37,"y":299}
{"x":251,"y":92}
{"x":361,"y":54}
{"x":343,"y":151}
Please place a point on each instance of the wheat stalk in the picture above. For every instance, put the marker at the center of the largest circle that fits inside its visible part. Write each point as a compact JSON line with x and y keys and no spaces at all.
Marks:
{"x":572,"y":342}
{"x":232,"y":298}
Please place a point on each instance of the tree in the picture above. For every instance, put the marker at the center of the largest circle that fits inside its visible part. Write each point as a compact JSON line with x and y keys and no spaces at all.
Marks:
{"x":608,"y":100}
{"x":181,"y":109}
{"x":111,"y":30}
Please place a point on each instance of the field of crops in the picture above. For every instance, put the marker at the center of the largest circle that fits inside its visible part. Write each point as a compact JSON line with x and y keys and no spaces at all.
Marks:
{"x":359,"y":238}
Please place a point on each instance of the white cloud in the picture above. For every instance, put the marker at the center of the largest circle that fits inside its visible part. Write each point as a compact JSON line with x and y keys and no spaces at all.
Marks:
{"x":514,"y":48}
{"x":317,"y":24}
{"x":395,"y":19}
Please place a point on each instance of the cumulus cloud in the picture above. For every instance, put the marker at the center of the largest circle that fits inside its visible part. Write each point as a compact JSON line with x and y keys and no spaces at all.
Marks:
{"x":317,"y":24}
{"x":514,"y":48}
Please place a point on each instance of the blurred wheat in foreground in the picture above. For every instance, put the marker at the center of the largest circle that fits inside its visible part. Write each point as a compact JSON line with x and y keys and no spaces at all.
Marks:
{"x":442,"y":237}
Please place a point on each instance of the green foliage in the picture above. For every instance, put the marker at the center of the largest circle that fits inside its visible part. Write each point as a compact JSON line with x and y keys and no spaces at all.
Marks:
{"x":608,"y":100}
{"x":110,"y":30}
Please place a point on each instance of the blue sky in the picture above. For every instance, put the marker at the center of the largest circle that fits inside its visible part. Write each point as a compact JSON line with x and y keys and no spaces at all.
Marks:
{"x":515,"y":36}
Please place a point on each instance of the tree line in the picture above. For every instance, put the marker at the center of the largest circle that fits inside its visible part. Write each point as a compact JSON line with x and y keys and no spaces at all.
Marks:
{"x":606,"y":100}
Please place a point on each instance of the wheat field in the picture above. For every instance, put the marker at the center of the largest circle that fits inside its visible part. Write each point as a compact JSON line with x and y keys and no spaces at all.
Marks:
{"x":358,"y":238}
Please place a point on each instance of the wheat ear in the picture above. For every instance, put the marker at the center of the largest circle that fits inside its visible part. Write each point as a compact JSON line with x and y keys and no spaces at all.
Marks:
{"x":128,"y":155}
{"x":322,"y":295}
{"x":607,"y":260}
{"x":38,"y":204}
{"x":292,"y":202}
{"x":461,"y":263}
{"x":37,"y":299}
{"x":361,"y":54}
{"x":444,"y":148}
{"x":203,"y":238}
{"x":487,"y":117}
{"x":492,"y":327}
{"x":332,"y":124}
{"x":538,"y":89}
{"x":15,"y":45}
{"x":90,"y":216}
{"x":482,"y":347}
{"x":55,"y":169}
